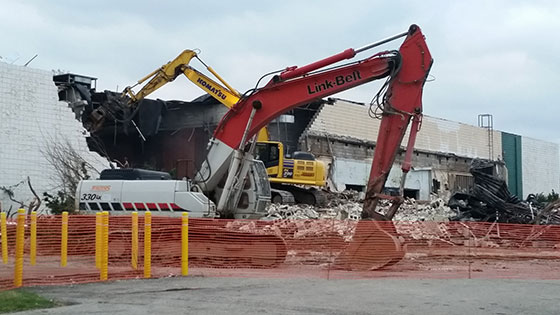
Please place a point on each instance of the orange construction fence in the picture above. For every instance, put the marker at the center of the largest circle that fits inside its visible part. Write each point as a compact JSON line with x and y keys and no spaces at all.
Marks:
{"x":63,"y":249}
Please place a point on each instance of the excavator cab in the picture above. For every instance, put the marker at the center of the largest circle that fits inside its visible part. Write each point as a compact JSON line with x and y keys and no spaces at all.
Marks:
{"x":302,"y":169}
{"x":271,"y":154}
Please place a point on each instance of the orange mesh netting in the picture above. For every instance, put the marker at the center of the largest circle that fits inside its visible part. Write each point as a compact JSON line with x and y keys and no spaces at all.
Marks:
{"x":291,"y":248}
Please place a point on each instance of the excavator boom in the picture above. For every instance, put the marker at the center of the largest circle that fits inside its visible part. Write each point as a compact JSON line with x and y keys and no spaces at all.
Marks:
{"x":410,"y":66}
{"x":407,"y":70}
{"x":180,"y":65}
{"x":278,"y":97}
{"x":230,"y":175}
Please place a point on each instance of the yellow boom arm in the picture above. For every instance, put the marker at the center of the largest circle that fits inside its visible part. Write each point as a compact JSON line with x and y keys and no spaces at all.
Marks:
{"x":225,"y":94}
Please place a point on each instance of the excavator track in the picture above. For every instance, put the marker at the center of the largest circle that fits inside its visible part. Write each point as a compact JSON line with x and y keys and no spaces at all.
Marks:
{"x":282,"y":197}
{"x":311,"y":196}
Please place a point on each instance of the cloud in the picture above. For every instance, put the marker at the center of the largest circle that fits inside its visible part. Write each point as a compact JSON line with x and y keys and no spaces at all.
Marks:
{"x":498,"y":57}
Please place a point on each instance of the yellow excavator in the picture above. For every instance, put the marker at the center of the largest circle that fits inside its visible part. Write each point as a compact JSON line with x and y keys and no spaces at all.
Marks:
{"x":298,"y":179}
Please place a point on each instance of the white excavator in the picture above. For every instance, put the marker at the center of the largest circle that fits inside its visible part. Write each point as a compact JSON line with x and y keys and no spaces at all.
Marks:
{"x":231,"y":183}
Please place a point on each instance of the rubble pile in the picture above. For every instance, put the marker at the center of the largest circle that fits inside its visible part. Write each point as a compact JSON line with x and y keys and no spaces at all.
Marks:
{"x":436,"y":210}
{"x":491,"y":201}
{"x":277,"y":211}
{"x":338,"y":220}
{"x":549,"y":214}
{"x":303,"y":221}
{"x":348,"y":206}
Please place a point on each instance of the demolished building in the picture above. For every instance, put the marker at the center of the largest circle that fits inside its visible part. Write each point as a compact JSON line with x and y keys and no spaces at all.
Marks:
{"x":343,"y":135}
{"x":172,"y":136}
{"x":159,"y":134}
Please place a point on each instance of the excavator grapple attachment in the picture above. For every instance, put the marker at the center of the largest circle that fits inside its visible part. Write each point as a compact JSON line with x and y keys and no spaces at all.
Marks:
{"x":374,"y":245}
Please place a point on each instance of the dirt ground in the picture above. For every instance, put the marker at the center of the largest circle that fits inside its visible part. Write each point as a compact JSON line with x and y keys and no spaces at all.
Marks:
{"x":419,"y":263}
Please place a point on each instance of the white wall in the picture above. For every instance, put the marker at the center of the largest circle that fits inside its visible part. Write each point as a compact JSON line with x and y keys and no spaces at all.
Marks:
{"x":31,"y":117}
{"x":436,"y":134}
{"x":354,"y":172}
{"x":350,"y":172}
{"x":418,"y":179}
{"x":540,"y":162}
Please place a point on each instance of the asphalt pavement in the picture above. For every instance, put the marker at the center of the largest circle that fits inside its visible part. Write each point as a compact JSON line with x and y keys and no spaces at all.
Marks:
{"x":214,"y":295}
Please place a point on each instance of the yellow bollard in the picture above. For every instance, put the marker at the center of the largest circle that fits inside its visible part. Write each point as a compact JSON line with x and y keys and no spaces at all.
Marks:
{"x":4,"y":231}
{"x":33,"y":245}
{"x":64,"y":240}
{"x":134,"y":254}
{"x":20,"y":239}
{"x":98,"y":239}
{"x":104,"y":273}
{"x":185,"y":244}
{"x":148,"y":245}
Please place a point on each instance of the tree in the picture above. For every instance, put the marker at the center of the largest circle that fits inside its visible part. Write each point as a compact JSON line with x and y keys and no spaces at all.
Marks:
{"x":542,"y":198}
{"x":59,"y":203}
{"x":9,"y":191}
{"x":69,"y":168}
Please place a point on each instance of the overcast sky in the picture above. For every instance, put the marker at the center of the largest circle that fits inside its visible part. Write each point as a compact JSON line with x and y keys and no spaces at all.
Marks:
{"x":496,"y":57}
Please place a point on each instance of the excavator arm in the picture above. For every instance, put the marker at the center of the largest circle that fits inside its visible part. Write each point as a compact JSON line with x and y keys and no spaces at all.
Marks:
{"x":167,"y":73}
{"x":180,"y":65}
{"x":407,"y":70}
{"x":373,"y":245}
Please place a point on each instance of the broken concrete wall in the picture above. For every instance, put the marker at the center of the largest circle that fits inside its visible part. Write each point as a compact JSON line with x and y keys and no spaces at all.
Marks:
{"x":177,"y":144}
{"x":437,"y":135}
{"x":346,"y":131}
{"x":352,"y":173}
{"x":351,"y":159}
{"x":32,"y":118}
{"x":540,"y":161}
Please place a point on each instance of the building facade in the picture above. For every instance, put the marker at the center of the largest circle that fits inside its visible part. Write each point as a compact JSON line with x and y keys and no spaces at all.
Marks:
{"x":32,"y":121}
{"x":343,"y":135}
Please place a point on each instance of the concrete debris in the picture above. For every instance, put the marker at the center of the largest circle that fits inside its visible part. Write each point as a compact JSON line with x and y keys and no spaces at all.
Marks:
{"x":423,"y":230}
{"x":425,"y":221}
{"x":276,"y":211}
{"x":436,"y":210}
{"x":347,"y":206}
{"x":297,"y":227}
{"x":338,"y":220}
{"x":550,"y":214}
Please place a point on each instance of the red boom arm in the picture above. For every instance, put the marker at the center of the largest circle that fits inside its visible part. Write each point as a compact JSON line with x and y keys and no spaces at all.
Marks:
{"x":278,"y":97}
{"x":404,"y":95}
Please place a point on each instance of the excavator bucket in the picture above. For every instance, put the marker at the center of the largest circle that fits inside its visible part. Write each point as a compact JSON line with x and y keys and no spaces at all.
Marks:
{"x":375,"y":245}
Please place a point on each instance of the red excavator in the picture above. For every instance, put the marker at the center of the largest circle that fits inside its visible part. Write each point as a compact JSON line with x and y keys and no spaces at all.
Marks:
{"x":236,"y":183}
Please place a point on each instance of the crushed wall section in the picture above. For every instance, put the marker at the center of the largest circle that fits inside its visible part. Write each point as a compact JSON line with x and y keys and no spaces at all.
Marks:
{"x":31,"y":118}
